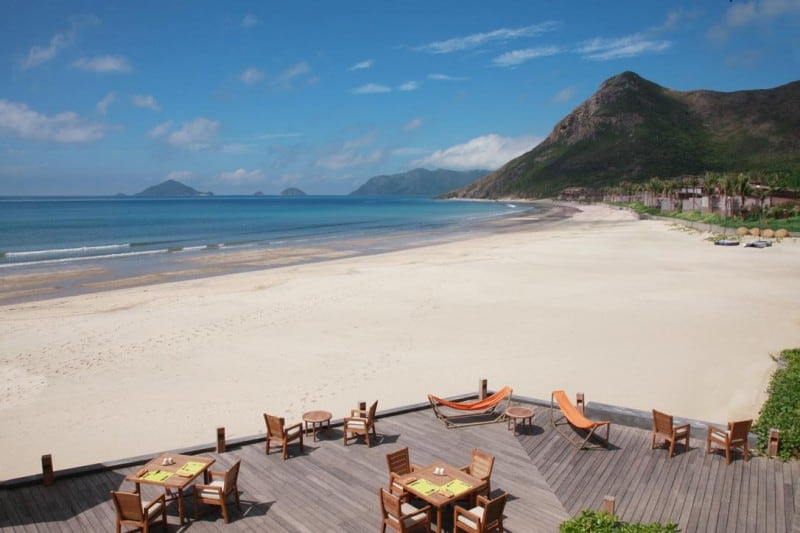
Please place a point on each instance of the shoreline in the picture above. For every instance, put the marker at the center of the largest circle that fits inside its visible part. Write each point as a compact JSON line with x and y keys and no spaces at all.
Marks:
{"x":631,"y":312}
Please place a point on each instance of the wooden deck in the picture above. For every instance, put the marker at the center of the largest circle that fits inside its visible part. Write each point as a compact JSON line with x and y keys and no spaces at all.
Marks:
{"x":333,"y":488}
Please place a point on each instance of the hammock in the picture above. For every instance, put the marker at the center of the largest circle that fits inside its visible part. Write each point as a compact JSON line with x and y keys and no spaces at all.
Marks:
{"x":477,"y":412}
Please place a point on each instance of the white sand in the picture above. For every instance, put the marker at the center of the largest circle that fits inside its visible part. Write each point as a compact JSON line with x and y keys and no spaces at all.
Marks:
{"x":634,"y":313}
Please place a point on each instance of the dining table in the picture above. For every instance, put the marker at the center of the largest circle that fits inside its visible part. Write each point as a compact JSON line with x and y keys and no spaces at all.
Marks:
{"x":441,"y":485}
{"x":174,"y":472}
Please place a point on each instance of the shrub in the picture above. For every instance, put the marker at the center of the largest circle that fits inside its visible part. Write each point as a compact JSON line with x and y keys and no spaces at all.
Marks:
{"x":782,"y":408}
{"x":602,"y":522}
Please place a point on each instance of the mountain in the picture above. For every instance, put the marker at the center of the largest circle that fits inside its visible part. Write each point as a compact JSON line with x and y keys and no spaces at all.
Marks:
{"x":419,"y":182}
{"x":633,"y":129}
{"x":292,"y":191}
{"x":172,"y":188}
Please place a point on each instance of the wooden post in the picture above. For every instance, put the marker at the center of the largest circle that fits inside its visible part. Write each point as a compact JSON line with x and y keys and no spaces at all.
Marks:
{"x":362,"y":406}
{"x":47,"y":470}
{"x":221,"y":440}
{"x":580,"y":403}
{"x":774,"y":438}
{"x":482,"y":389}
{"x":609,"y":504}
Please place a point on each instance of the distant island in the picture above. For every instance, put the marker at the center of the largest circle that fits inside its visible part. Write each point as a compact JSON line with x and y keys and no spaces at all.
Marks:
{"x":292,"y":191}
{"x":419,"y":182}
{"x":172,"y":188}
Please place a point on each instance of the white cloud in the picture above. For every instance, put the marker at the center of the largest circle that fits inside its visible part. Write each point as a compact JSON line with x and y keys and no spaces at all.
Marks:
{"x":413,"y":124}
{"x":409,"y":86}
{"x":160,"y":129}
{"x":41,"y":54}
{"x":146,"y":101}
{"x":476,"y":40}
{"x":178,"y":174}
{"x":363,"y":64}
{"x":445,"y":77}
{"x":19,"y":120}
{"x":102,"y":105}
{"x":516,"y":57}
{"x":251,"y":76}
{"x":250,"y":20}
{"x":290,"y":75}
{"x":241,"y":176}
{"x":602,"y":49}
{"x":350,"y":158}
{"x":741,"y":14}
{"x":564,"y":95}
{"x":372,"y":88}
{"x":488,"y":151}
{"x":195,"y":135}
{"x":103,"y":64}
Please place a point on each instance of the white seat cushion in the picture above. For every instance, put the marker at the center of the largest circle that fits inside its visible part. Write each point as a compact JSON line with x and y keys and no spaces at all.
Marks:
{"x":477,"y":511}
{"x":356,"y":424}
{"x":406,"y":509}
{"x":293,"y":432}
{"x":210,"y":494}
{"x":153,"y":511}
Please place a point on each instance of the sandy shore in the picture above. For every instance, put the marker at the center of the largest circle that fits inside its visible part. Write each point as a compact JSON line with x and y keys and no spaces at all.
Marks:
{"x":631,"y":312}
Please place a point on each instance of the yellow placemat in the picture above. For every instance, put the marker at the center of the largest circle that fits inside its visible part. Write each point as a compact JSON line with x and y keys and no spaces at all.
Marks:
{"x":191,"y":468}
{"x":424,"y":486}
{"x":156,"y":475}
{"x":457,"y":487}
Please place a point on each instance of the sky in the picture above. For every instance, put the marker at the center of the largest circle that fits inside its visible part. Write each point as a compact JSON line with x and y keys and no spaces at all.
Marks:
{"x":234,"y":97}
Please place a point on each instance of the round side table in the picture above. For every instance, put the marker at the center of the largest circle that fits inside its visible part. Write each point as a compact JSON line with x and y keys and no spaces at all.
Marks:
{"x":519,"y":413}
{"x":317,"y":419}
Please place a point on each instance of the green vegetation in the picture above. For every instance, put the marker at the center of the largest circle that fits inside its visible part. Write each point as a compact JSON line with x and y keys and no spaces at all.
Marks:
{"x":782,"y":408}
{"x":785,"y":219}
{"x":602,"y":522}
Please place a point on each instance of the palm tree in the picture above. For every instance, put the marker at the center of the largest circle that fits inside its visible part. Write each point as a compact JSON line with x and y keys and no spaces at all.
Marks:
{"x":727,"y":186}
{"x":692,"y":182}
{"x":743,"y":190}
{"x":654,"y":187}
{"x":710,"y":183}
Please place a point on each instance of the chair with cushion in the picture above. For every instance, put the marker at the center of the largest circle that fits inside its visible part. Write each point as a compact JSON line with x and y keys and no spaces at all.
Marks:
{"x":734,"y":437}
{"x":278,"y":431}
{"x":400,"y":465}
{"x":217,"y":492}
{"x":402,"y":516}
{"x":486,"y":516}
{"x":131,"y":511}
{"x":481,"y":468}
{"x":663,"y":428}
{"x":360,"y":422}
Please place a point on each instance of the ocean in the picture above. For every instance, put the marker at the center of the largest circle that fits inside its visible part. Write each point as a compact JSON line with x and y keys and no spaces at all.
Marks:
{"x":38,"y":232}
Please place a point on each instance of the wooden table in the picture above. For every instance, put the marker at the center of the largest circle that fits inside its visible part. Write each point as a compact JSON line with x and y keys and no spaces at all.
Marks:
{"x":415,"y":483}
{"x":317,"y":418}
{"x":523,"y":414}
{"x":177,"y":476}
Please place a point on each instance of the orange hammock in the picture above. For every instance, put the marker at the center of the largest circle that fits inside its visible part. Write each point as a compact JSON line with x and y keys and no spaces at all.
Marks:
{"x":474,"y":409}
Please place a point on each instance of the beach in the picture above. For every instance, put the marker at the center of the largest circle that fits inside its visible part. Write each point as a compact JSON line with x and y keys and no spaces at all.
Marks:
{"x":638,"y":313}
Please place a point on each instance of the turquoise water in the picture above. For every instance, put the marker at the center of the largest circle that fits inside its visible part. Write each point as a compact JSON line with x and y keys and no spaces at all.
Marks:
{"x":52,"y":231}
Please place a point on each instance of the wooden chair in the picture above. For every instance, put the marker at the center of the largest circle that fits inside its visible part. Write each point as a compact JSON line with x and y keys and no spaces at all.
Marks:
{"x":131,"y":511}
{"x":278,"y":431}
{"x":402,"y":516}
{"x":400,"y":465}
{"x":217,"y":492}
{"x":734,"y":437}
{"x":481,"y":468}
{"x":360,"y":425}
{"x":486,"y":516}
{"x":663,"y":428}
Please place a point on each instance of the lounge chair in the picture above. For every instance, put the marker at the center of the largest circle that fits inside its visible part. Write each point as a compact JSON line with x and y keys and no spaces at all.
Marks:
{"x":481,"y":467}
{"x":473,"y":412}
{"x":571,"y":416}
{"x":360,"y":425}
{"x":663,"y":428}
{"x":734,"y":437}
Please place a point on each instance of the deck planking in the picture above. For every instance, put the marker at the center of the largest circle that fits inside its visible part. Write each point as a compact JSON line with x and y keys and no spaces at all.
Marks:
{"x":330,"y":487}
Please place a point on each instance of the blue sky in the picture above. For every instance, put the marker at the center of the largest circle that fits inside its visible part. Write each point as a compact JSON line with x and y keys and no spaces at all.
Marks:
{"x":236,"y":97}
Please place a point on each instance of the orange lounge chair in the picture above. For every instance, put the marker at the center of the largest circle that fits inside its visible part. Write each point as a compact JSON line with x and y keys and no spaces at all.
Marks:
{"x":474,"y":412}
{"x":572,"y":416}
